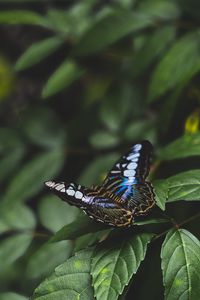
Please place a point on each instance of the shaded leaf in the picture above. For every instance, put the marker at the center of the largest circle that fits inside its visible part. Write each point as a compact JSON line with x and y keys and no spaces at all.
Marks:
{"x":154,"y":45}
{"x":180,"y":63}
{"x":30,"y":179}
{"x":20,"y":17}
{"x":180,"y":256}
{"x":54,"y":213}
{"x":138,"y":130}
{"x":79,"y":227}
{"x":68,"y":72}
{"x":37,"y":52}
{"x":104,"y":139}
{"x":113,"y":267}
{"x":71,"y":280}
{"x":110,"y":29}
{"x":161,"y":9}
{"x":12,"y":248}
{"x":151,"y":221}
{"x":89,"y":239}
{"x":12,"y":296}
{"x":97,"y":170}
{"x":15,"y":217}
{"x":43,"y":127}
{"x":48,"y":256}
{"x":187,"y":145}
{"x":10,"y":162}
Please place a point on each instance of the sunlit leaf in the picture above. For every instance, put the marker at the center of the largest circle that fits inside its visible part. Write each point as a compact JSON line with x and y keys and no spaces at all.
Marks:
{"x":54,"y":213}
{"x":48,"y":256}
{"x":110,"y":29}
{"x":12,"y":248}
{"x":181,"y":63}
{"x":66,"y":73}
{"x":37,"y":52}
{"x":20,"y":17}
{"x":181,"y":265}
{"x":187,"y":145}
{"x":161,"y":190}
{"x":184,"y":186}
{"x":114,"y":265}
{"x":71,"y":280}
{"x":30,"y":179}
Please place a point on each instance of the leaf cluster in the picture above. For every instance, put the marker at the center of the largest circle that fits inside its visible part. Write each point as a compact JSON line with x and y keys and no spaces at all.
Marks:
{"x":90,"y":79}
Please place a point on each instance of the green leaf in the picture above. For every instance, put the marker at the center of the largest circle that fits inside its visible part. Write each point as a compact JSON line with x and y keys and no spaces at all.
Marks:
{"x":63,"y":77}
{"x":48,"y":256}
{"x":161,"y":190}
{"x":71,"y":280}
{"x":187,"y":145}
{"x":10,"y":162}
{"x":10,"y":220}
{"x":110,"y":29}
{"x":30,"y":179}
{"x":151,"y":221}
{"x":79,"y":227}
{"x":97,"y":170}
{"x":141,"y":129}
{"x":180,"y":256}
{"x":12,"y":296}
{"x":184,"y":186}
{"x":37,"y":52}
{"x":181,"y":63}
{"x":20,"y":17}
{"x":113,"y":266}
{"x":89,"y":239}
{"x":54,"y":213}
{"x":104,"y":140}
{"x":43,"y":127}
{"x":154,"y":45}
{"x":161,"y":9}
{"x":12,"y":248}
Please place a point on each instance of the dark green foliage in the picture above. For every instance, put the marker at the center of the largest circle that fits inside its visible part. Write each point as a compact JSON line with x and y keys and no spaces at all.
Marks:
{"x":90,"y":78}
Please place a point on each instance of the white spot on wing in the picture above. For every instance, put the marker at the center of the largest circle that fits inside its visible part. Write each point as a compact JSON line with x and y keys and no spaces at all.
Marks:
{"x":137,"y":147}
{"x":132,"y":156}
{"x":132,"y":166}
{"x":70,"y":192}
{"x":59,"y":186}
{"x":49,"y":183}
{"x":129,"y":173}
{"x":78,"y":195}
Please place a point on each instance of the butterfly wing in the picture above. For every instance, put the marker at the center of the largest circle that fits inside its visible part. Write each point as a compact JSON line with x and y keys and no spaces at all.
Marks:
{"x":126,"y":179}
{"x":72,"y":193}
{"x":96,"y":203}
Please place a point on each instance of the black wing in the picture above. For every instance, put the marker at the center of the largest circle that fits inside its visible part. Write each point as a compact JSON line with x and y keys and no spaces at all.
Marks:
{"x":127,"y":178}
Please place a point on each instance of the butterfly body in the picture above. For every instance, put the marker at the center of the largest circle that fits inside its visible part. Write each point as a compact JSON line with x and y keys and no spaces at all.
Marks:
{"x":124,"y":194}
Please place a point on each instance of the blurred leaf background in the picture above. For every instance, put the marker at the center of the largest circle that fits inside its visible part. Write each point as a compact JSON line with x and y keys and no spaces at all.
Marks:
{"x":80,"y":82}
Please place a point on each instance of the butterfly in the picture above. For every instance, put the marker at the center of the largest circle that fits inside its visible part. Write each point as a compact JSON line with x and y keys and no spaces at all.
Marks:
{"x":123,"y":195}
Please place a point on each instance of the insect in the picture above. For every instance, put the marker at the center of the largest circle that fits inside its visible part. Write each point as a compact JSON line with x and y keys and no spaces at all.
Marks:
{"x":123,"y":195}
